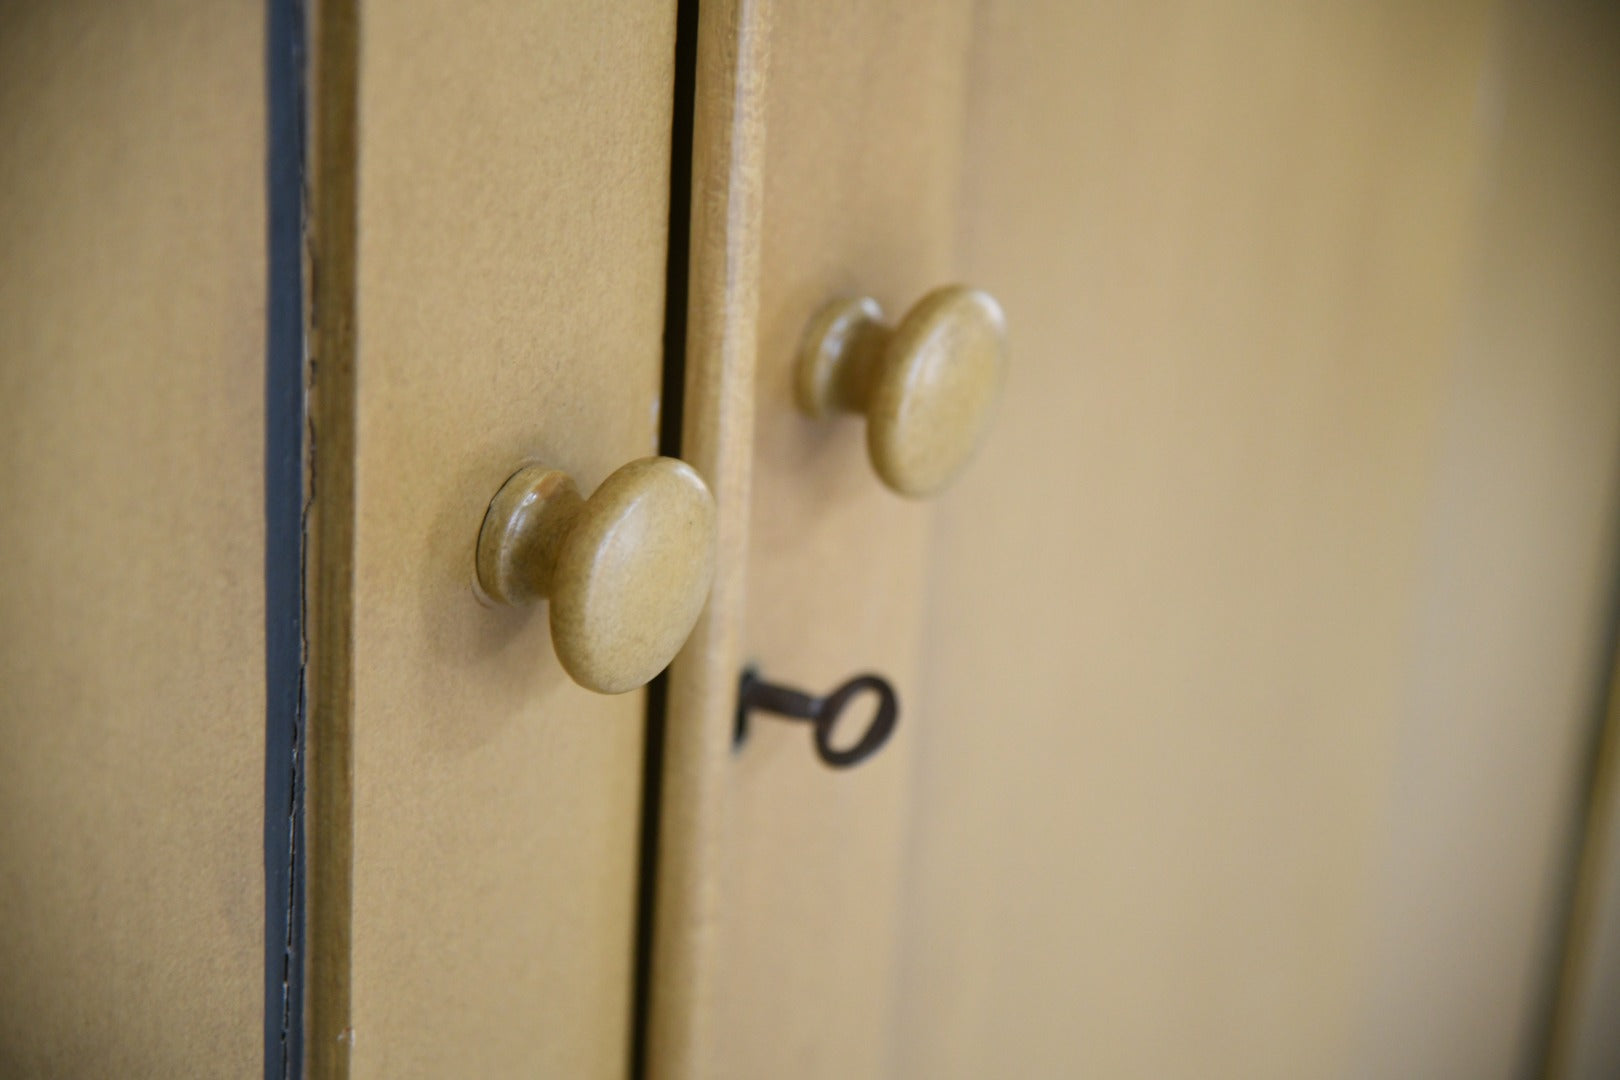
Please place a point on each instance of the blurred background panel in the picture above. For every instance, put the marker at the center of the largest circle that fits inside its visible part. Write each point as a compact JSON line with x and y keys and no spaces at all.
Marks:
{"x":1253,"y":673}
{"x":132,"y":343}
{"x":1267,"y":636}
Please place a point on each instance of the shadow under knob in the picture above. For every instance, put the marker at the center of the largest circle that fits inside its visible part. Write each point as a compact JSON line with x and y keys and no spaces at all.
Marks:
{"x":626,"y":572}
{"x":927,"y":387}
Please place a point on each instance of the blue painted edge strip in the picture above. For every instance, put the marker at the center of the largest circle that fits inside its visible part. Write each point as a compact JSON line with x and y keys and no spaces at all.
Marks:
{"x":284,"y":508}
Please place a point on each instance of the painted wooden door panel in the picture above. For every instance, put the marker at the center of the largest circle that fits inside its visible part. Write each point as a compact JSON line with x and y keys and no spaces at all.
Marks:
{"x":1243,"y":677}
{"x":779,"y":882}
{"x":863,"y":114}
{"x":132,"y":541}
{"x":511,"y":212}
{"x":1275,"y":612}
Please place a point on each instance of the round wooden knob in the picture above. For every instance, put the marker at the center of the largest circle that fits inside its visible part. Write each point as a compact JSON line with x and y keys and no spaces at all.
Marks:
{"x":627,"y":571}
{"x":927,"y":387}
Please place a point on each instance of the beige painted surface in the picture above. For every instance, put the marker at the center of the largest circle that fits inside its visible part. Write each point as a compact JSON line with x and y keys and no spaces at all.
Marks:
{"x":732,"y":51}
{"x":1263,"y":638}
{"x":1243,"y":675}
{"x":132,"y":290}
{"x":780,"y":881}
{"x":513,"y":209}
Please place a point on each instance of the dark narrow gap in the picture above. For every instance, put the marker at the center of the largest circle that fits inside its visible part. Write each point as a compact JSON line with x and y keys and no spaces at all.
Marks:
{"x":1595,"y":755}
{"x":672,"y":401}
{"x":284,"y":504}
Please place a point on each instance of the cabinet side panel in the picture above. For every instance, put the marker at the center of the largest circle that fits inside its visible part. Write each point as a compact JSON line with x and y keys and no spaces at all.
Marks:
{"x":863,"y":118}
{"x":132,"y":710}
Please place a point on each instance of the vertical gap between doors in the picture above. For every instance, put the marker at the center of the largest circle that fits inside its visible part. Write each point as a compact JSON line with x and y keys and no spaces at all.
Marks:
{"x":672,"y":400}
{"x":284,"y":494}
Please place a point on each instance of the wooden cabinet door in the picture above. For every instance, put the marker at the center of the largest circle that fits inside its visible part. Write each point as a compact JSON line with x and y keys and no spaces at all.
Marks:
{"x":1279,"y":596}
{"x":824,"y":162}
{"x":490,"y":220}
{"x":1244,"y":675}
{"x":486,"y":219}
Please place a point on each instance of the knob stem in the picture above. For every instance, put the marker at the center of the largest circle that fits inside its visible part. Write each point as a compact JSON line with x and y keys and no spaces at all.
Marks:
{"x":839,"y":360}
{"x":524,"y":530}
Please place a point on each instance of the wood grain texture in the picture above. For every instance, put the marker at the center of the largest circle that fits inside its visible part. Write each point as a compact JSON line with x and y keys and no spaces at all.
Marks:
{"x":132,"y":710}
{"x":685,"y":1028}
{"x":513,"y":165}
